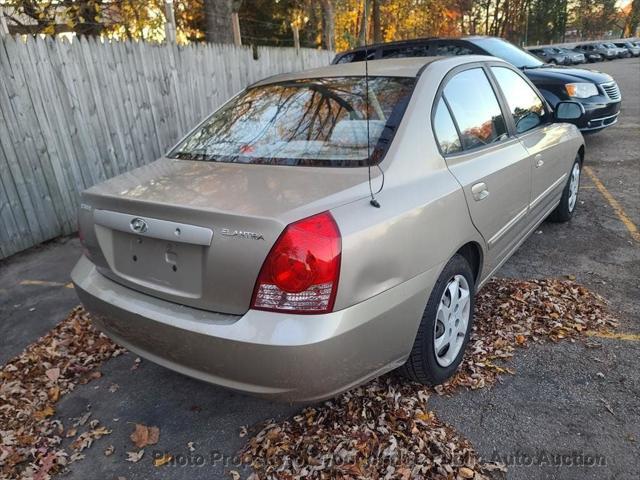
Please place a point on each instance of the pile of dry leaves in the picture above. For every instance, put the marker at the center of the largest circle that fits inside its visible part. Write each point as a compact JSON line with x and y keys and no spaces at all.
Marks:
{"x":378,"y":431}
{"x":30,"y":386}
{"x":385,"y":430}
{"x":514,"y":313}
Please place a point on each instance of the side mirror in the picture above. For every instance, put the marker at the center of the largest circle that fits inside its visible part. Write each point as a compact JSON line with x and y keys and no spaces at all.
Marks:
{"x":569,"y":111}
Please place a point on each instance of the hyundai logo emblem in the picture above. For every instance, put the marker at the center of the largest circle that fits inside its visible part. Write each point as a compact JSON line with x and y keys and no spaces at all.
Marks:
{"x":138,"y":225}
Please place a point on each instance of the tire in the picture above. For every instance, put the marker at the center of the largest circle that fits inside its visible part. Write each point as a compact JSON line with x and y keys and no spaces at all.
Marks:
{"x":568,"y":203}
{"x":426,"y":365}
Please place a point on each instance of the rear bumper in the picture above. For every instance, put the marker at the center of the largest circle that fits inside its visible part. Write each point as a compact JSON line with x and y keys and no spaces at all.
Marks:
{"x":280,"y":356}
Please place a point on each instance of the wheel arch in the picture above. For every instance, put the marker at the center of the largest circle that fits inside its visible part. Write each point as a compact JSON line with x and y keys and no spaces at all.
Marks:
{"x":581,"y":154}
{"x":472,"y":252}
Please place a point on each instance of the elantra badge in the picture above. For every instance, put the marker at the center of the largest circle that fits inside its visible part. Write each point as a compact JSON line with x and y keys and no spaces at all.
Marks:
{"x":241,"y":234}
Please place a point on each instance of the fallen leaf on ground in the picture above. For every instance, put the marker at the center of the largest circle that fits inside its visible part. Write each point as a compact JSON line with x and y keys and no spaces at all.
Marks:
{"x":109,"y":450}
{"x":607,"y":406}
{"x":136,"y":363}
{"x":163,"y":460}
{"x":465,"y":472}
{"x":47,"y":411}
{"x":135,"y":457}
{"x":53,"y":374}
{"x":54,"y":393}
{"x":143,"y":435}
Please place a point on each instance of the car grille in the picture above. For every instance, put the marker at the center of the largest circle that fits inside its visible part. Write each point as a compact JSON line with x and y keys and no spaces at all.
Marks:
{"x":612,"y":90}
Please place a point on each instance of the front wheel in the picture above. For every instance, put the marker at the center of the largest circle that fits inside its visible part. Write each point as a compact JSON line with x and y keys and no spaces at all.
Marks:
{"x":566,"y":207}
{"x":445,"y":326}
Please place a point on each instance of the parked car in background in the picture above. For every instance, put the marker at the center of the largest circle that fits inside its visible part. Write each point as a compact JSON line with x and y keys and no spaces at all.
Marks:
{"x":621,"y":52}
{"x":631,"y":47}
{"x":576,"y":58}
{"x":551,"y":55}
{"x":607,"y":53}
{"x":252,"y":256}
{"x":591,"y":57}
{"x":597,"y":92}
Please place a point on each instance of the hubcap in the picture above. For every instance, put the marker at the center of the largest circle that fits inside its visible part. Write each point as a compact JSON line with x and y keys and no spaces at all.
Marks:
{"x":574,"y":185}
{"x":452,"y":319}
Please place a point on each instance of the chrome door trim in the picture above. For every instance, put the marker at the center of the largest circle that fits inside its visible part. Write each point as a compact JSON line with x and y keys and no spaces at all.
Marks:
{"x":549,"y":189}
{"x":155,"y":228}
{"x":510,"y":224}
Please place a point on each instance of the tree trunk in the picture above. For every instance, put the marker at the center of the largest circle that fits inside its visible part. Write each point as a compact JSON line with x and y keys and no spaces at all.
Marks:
{"x":377,"y":25}
{"x":633,"y":19}
{"x":218,"y":20}
{"x":364,"y":20}
{"x":329,"y":25}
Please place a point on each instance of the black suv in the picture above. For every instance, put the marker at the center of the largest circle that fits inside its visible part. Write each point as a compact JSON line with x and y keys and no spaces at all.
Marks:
{"x":597,"y":92}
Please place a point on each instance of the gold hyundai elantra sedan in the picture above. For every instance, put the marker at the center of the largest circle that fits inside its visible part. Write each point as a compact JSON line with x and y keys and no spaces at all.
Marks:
{"x":327,"y":226}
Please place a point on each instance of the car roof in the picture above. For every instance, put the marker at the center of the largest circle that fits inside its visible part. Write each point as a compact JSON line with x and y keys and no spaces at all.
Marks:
{"x":392,"y":67}
{"x":412,"y":41}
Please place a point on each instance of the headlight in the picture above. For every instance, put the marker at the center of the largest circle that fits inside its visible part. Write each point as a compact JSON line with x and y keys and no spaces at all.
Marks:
{"x":581,"y":90}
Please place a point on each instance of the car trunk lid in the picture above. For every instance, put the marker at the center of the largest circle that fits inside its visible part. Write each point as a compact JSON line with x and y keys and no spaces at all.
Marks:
{"x":197,"y":233}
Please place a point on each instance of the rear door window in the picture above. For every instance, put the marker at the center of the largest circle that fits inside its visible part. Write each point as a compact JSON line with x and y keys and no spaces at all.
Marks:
{"x":475,"y":108}
{"x":526,"y":106}
{"x":445,"y":129}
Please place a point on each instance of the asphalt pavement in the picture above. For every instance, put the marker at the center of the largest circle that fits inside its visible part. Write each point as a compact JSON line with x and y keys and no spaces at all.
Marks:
{"x":565,"y":399}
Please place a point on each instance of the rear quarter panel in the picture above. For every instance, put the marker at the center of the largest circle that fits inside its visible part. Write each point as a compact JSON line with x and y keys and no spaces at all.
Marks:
{"x":423,"y":219}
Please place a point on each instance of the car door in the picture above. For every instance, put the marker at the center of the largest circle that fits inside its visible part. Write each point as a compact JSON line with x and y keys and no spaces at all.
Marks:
{"x":491,"y":165}
{"x":544,"y":140}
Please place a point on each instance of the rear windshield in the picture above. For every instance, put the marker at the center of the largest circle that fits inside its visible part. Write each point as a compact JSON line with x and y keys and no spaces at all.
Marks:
{"x":314,"y":122}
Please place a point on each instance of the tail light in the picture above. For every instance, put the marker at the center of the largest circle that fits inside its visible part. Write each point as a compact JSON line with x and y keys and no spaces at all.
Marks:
{"x":300,"y":274}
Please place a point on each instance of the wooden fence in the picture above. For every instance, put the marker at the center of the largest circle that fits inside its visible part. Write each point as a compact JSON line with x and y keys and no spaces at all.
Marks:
{"x":72,"y":115}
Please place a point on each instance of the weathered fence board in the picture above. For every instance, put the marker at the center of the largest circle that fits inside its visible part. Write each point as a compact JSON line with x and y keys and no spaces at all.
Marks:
{"x":74,"y":114}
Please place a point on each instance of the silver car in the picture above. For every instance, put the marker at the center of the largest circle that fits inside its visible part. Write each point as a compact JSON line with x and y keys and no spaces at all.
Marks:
{"x":324,"y":227}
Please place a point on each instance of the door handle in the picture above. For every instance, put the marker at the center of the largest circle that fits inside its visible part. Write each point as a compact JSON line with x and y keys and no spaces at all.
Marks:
{"x":480,"y":191}
{"x":539,"y":161}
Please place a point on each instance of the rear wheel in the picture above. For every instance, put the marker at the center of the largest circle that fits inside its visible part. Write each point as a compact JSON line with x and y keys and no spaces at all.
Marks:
{"x":568,"y":202}
{"x":445,"y":326}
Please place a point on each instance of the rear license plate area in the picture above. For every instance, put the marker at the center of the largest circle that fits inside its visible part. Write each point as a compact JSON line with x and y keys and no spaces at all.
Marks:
{"x":170,"y":267}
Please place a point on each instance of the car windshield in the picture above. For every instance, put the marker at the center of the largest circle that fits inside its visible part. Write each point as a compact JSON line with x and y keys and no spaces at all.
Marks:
{"x":509,"y":52}
{"x":312,"y":122}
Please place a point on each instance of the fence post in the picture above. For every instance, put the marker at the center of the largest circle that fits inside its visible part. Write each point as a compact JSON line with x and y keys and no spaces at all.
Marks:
{"x":296,"y":37}
{"x":4,"y":29}
{"x":170,"y":24}
{"x":235,"y":24}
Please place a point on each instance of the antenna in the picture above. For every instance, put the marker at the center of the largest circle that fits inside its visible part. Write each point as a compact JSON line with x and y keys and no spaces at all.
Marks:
{"x":373,"y":201}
